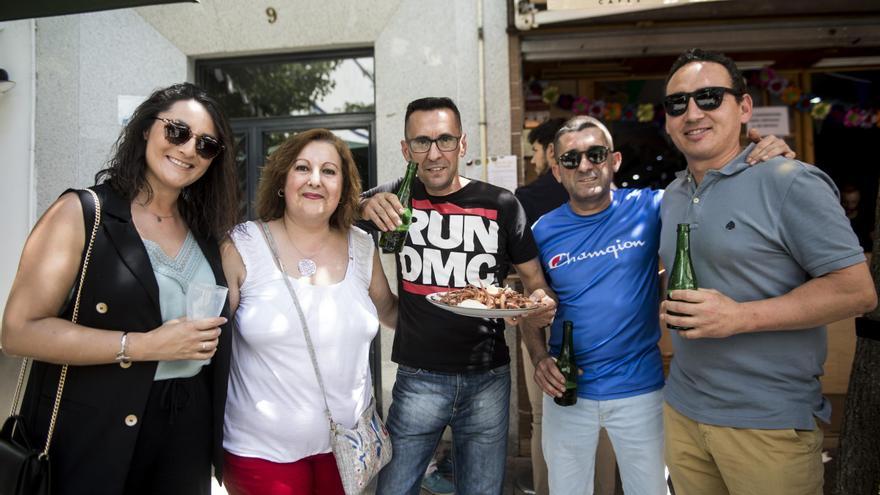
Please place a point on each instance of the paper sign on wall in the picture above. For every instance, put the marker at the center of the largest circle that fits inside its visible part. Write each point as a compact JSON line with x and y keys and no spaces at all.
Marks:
{"x":502,"y":171}
{"x":125,"y":106}
{"x":770,"y":120}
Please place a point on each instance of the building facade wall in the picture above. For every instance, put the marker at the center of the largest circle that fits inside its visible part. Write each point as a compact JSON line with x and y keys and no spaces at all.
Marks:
{"x":16,"y":146}
{"x":84,"y":62}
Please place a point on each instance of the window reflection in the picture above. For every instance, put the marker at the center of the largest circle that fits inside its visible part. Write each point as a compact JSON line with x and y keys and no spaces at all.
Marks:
{"x":264,"y":88}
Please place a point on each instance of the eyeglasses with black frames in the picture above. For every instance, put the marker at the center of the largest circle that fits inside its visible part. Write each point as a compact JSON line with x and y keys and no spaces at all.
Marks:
{"x":178,"y":133}
{"x":422,"y":144}
{"x":708,"y":98}
{"x":595,"y":154}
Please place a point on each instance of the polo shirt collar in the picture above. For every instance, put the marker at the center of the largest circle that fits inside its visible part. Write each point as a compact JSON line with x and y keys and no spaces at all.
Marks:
{"x":733,"y":167}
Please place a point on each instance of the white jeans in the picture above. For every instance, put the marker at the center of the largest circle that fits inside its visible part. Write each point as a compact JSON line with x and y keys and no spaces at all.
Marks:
{"x":635,"y":426}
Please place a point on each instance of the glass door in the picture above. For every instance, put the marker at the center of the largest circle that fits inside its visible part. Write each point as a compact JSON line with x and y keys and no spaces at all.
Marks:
{"x":257,"y":139}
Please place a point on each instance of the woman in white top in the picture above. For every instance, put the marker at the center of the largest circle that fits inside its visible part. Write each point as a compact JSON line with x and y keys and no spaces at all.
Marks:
{"x":277,"y":437}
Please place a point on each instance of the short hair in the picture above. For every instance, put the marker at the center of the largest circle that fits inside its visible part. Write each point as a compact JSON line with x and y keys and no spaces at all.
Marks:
{"x":269,"y":205}
{"x":210,"y":205}
{"x":738,"y":82}
{"x":431,"y":103}
{"x":579,"y":123}
{"x":545,"y":133}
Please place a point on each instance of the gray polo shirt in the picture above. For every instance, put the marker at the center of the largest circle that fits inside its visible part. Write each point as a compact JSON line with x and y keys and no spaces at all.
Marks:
{"x":756,"y":233}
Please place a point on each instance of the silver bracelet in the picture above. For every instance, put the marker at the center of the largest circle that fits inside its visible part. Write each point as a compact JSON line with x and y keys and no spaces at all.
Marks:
{"x":122,"y":356}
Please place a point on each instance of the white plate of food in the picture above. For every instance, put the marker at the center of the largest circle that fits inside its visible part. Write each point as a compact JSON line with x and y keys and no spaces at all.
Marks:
{"x":484,"y":302}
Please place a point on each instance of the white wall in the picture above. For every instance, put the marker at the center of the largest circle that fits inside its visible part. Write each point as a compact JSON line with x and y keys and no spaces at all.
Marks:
{"x":16,"y":145}
{"x":84,"y":62}
{"x":422,"y":48}
{"x":430,"y":49}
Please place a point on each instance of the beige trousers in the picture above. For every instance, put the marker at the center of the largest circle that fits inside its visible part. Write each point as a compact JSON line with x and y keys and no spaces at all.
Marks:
{"x":719,"y":460}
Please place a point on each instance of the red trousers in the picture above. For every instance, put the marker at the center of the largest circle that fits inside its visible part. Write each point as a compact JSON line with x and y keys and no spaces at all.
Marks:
{"x":315,"y":475}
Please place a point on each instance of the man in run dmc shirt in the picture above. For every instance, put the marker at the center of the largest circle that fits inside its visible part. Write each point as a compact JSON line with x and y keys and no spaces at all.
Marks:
{"x":453,"y":370}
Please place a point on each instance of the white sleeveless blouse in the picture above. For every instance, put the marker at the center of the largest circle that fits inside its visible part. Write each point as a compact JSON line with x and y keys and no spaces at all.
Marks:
{"x":274,"y":409}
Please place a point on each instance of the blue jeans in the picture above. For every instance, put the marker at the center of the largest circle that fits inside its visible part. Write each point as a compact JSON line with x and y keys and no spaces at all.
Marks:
{"x":635,"y":427}
{"x":476,"y":406}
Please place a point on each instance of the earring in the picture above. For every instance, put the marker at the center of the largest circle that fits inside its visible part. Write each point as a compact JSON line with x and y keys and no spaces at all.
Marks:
{"x":280,"y":192}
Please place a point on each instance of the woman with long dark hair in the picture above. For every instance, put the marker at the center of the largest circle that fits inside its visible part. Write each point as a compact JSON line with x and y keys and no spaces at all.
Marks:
{"x":143,"y":404}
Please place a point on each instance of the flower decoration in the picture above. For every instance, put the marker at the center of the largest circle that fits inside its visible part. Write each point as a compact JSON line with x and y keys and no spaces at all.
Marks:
{"x":791,"y":94}
{"x":765,"y":76}
{"x":645,"y":113}
{"x":855,"y":118}
{"x":870,"y":119}
{"x":581,"y":105}
{"x":820,"y":110}
{"x":550,"y":95}
{"x":613,"y":111}
{"x":777,"y":85}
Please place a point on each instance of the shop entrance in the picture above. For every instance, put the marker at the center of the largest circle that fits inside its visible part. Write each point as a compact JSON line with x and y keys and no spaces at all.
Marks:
{"x":270,"y":98}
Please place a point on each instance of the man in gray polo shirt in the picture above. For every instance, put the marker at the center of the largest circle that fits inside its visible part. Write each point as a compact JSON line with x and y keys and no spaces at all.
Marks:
{"x":776,"y":260}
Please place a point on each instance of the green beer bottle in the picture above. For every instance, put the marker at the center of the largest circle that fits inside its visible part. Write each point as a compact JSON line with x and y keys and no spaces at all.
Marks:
{"x":392,"y":241}
{"x":567,"y":366}
{"x":682,"y":275}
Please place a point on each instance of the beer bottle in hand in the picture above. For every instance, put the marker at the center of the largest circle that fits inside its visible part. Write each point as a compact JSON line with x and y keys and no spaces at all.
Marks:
{"x":682,"y":276}
{"x":392,"y":241}
{"x":567,"y":366}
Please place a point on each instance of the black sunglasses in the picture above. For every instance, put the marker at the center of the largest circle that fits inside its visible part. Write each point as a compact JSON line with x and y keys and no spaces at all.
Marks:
{"x":178,"y":133}
{"x":706,"y":99}
{"x":595,"y":154}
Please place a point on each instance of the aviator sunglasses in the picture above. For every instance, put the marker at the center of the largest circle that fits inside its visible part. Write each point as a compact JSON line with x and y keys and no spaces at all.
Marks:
{"x":178,"y":133}
{"x":595,"y":154}
{"x":706,"y":99}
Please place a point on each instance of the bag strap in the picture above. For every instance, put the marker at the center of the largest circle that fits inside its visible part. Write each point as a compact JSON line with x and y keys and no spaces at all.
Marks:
{"x":270,"y":241}
{"x":63,"y":376}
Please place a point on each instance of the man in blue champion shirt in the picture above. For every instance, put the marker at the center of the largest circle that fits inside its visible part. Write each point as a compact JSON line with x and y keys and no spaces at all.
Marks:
{"x":599,"y":254}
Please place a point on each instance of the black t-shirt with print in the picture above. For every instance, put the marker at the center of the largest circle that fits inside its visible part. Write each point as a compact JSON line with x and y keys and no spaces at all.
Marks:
{"x":471,"y":236}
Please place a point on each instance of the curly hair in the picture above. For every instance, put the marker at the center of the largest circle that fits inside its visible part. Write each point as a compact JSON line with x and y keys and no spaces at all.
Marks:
{"x":270,"y":206}
{"x":210,"y":205}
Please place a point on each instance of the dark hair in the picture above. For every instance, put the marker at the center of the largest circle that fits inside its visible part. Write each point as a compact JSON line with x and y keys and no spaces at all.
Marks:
{"x":269,"y":205}
{"x":849,"y":188}
{"x":738,"y":82}
{"x":431,"y":103}
{"x":579,"y":123}
{"x":545,"y":133}
{"x":209,"y":205}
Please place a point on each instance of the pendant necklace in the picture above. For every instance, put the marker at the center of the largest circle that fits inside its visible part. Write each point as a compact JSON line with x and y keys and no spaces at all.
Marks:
{"x":306,"y":265}
{"x":158,"y":217}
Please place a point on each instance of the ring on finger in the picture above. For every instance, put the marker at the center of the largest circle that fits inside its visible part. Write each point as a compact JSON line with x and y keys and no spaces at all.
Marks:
{"x":204,"y":346}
